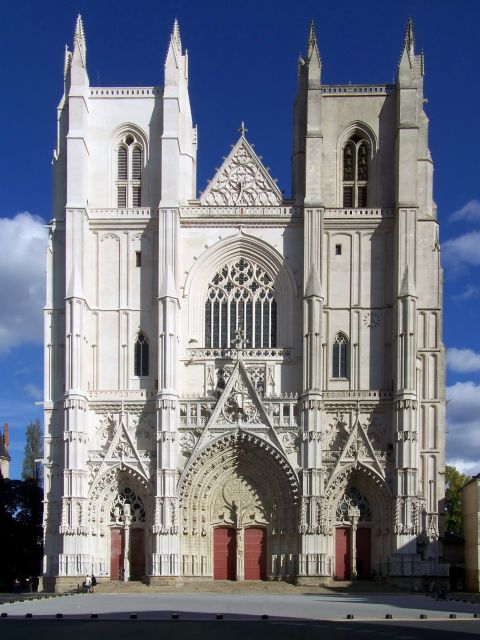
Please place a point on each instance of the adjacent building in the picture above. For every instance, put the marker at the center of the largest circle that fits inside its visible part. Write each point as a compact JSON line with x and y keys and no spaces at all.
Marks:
{"x":240,"y":385}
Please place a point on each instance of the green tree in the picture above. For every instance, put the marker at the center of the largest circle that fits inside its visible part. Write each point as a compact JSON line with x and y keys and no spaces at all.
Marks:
{"x":21,"y":509}
{"x":33,"y":452}
{"x":454,"y":481}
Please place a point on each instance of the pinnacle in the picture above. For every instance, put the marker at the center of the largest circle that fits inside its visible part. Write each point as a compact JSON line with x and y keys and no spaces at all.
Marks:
{"x":79,"y":30}
{"x":312,"y":41}
{"x":79,"y":42}
{"x":409,"y":41}
{"x":175,"y":37}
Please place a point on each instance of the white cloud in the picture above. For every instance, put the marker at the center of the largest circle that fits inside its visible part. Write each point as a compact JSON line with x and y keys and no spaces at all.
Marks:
{"x":463,"y":250}
{"x":463,"y":360}
{"x":463,"y":426}
{"x":469,"y":211}
{"x":468,"y":293}
{"x":22,"y":279}
{"x":33,"y":391}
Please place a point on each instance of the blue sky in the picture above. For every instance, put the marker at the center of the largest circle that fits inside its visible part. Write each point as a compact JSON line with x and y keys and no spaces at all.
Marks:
{"x":243,"y":60}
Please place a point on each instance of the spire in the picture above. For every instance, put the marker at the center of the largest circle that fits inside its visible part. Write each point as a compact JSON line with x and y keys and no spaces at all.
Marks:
{"x":79,"y":42}
{"x":313,"y":55}
{"x":408,"y":285}
{"x":314,"y":286}
{"x":409,"y":42}
{"x":312,"y":40}
{"x":175,"y":40}
{"x":176,"y":62}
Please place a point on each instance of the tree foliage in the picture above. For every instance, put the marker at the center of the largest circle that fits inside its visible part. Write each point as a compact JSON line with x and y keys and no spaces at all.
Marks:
{"x":33,"y":452}
{"x":454,"y":481}
{"x":21,"y":511}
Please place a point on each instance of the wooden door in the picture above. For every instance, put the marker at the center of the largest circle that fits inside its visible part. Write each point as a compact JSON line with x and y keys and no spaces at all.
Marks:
{"x":224,"y":554}
{"x":342,"y":553}
{"x":117,"y":551}
{"x":255,"y":553}
{"x":364,"y":553}
{"x":137,"y":554}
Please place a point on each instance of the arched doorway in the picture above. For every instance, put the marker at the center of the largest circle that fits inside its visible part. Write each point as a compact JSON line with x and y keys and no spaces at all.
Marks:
{"x":353,"y":550}
{"x":127,"y":536}
{"x":239,"y":509}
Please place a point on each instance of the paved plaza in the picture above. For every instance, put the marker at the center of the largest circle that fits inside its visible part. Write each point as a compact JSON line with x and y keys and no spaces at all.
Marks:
{"x":202,"y":606}
{"x":196,"y":616}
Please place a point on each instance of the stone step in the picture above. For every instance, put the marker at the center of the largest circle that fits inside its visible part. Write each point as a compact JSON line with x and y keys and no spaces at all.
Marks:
{"x":247,"y":586}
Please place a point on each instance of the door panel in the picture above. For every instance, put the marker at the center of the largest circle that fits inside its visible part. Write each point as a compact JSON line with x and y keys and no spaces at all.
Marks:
{"x":364,"y":554}
{"x":342,"y":553}
{"x":255,"y":553}
{"x":117,"y":550}
{"x":224,"y":554}
{"x":137,"y":554}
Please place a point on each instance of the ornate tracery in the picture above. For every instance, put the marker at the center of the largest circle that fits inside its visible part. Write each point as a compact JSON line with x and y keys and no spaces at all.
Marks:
{"x":241,"y":297}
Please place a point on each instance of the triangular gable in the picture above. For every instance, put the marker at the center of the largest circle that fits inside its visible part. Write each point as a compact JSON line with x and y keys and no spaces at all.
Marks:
{"x":242,"y":180}
{"x":239,"y":406}
{"x":358,"y":448}
{"x":122,"y":450}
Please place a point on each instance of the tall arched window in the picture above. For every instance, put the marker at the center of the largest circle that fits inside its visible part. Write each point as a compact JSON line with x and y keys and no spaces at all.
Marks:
{"x":355,"y":172}
{"x":241,"y":297}
{"x":340,"y":356}
{"x":141,"y":355}
{"x":129,"y":171}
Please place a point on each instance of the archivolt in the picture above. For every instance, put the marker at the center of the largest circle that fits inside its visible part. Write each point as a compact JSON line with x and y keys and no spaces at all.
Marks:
{"x":251,"y":460}
{"x":366,"y":480}
{"x":106,"y":488}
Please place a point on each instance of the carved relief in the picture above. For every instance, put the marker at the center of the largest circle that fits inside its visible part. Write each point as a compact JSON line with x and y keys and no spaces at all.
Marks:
{"x":242,"y":181}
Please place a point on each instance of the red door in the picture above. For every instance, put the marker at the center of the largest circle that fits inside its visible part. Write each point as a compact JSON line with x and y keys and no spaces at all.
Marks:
{"x":255,"y":553}
{"x":342,"y":553}
{"x":224,"y":554}
{"x":117,"y":549}
{"x":137,"y":554}
{"x":364,"y":560}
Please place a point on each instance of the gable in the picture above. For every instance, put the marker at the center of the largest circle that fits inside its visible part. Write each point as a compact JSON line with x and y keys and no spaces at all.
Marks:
{"x":242,"y":180}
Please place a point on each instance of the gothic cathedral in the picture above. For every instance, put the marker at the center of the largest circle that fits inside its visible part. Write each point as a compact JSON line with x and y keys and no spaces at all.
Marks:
{"x":240,"y":386}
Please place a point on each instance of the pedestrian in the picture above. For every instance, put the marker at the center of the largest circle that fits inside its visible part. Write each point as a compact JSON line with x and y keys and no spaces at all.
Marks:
{"x":94,"y":584}
{"x":88,"y":584}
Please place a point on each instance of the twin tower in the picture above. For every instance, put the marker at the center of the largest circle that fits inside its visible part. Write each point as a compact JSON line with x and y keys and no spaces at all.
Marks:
{"x":240,"y":386}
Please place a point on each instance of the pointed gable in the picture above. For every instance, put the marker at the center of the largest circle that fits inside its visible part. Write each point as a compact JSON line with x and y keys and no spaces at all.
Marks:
{"x":242,"y":181}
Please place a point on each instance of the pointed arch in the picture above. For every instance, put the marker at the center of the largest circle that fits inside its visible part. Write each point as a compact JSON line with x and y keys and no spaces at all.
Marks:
{"x":241,"y":245}
{"x":340,"y":356}
{"x":357,"y":147}
{"x":106,"y":488}
{"x":128,"y":158}
{"x":141,"y":362}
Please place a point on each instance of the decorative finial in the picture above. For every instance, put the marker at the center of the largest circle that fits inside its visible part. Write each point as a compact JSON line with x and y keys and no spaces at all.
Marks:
{"x":409,"y":43}
{"x":175,"y":37}
{"x":243,"y":129}
{"x":79,"y":38}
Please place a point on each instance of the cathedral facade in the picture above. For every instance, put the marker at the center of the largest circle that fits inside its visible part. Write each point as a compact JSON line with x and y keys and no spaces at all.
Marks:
{"x":241,"y":386}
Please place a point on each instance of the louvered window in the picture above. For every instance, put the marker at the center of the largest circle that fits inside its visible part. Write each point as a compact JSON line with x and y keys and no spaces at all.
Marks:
{"x":129,"y":172}
{"x":241,"y":297}
{"x":355,"y":173}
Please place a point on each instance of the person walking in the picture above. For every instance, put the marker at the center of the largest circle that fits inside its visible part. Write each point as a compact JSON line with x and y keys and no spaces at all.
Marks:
{"x":94,"y":584}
